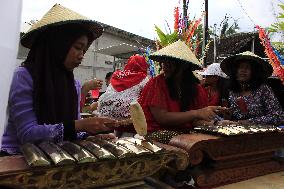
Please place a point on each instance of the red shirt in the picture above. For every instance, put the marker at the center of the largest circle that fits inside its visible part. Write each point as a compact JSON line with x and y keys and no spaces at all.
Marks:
{"x":156,"y":93}
{"x":213,"y":97}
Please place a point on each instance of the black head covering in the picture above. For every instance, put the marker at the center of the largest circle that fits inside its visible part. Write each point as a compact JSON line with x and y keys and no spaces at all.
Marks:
{"x":55,"y":97}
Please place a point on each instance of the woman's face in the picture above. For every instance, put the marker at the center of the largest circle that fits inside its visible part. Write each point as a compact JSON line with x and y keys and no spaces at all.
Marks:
{"x":244,"y":71}
{"x":76,"y":53}
{"x":168,"y":69}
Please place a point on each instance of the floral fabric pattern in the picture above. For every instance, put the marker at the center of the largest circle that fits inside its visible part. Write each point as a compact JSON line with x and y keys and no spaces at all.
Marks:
{"x":115,"y":104}
{"x":262,"y":107}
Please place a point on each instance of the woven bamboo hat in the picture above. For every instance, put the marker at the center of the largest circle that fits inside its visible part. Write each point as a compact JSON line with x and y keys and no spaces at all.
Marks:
{"x":176,"y":52}
{"x":228,"y":63}
{"x":60,"y":16}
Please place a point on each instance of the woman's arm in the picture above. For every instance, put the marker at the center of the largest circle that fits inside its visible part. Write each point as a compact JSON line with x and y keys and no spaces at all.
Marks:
{"x":90,"y":85}
{"x":164,"y":117}
{"x":22,"y":115}
{"x":87,"y":86}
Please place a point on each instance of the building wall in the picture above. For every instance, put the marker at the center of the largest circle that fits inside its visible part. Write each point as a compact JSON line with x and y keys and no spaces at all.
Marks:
{"x":94,"y":64}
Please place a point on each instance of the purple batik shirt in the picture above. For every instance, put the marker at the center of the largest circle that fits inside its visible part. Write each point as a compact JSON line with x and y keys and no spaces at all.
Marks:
{"x":22,"y":126}
{"x":263,"y":107}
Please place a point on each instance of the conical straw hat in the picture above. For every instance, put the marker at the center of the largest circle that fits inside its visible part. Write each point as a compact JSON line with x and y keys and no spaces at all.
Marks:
{"x":59,"y":16}
{"x":229,"y":63}
{"x":176,"y":52}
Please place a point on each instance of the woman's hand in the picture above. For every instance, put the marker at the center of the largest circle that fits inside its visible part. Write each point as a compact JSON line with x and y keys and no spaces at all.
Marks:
{"x":227,"y":122}
{"x":94,"y":84}
{"x":199,"y":122}
{"x":94,"y":125}
{"x":105,"y":136}
{"x":91,"y":85}
{"x":208,"y":113}
{"x":244,"y":122}
{"x":227,"y":114}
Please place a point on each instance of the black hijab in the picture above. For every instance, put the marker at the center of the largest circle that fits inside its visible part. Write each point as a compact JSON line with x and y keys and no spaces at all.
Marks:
{"x":55,"y":98}
{"x":188,"y":85}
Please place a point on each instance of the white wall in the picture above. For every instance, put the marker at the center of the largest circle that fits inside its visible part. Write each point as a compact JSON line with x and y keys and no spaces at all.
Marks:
{"x":10,"y":17}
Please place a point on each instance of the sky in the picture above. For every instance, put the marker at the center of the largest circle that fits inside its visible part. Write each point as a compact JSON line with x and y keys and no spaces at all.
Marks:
{"x":140,"y":16}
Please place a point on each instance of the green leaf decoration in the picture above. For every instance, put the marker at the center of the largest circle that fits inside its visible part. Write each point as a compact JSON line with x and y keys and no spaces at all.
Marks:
{"x":162,"y":36}
{"x":166,"y":39}
{"x":173,"y":37}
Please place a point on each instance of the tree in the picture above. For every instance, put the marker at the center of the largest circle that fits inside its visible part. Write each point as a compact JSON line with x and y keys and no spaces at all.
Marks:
{"x":278,"y":27}
{"x":227,"y":26}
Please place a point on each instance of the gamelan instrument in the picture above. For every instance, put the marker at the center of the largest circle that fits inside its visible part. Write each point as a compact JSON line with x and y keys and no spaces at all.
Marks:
{"x":236,"y":129}
{"x":220,"y":155}
{"x":90,"y":163}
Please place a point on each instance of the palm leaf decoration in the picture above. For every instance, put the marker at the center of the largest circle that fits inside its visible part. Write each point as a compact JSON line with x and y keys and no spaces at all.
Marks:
{"x":161,"y":35}
{"x":166,"y":39}
{"x":189,"y":32}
